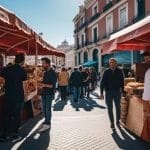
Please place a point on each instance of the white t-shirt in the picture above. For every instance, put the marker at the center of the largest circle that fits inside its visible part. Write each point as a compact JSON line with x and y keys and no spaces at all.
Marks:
{"x":146,"y":94}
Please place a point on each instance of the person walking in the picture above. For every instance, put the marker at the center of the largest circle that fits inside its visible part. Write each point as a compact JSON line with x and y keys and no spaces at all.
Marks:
{"x":14,"y":77}
{"x":63,"y":80}
{"x":85,"y":78}
{"x":76,"y":82}
{"x":69,"y":86}
{"x":87,"y":81}
{"x":113,"y":83}
{"x":47,"y":86}
{"x":93,"y":79}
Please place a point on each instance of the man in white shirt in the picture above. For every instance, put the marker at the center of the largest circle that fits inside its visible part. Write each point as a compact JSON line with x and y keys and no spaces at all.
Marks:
{"x":146,"y":94}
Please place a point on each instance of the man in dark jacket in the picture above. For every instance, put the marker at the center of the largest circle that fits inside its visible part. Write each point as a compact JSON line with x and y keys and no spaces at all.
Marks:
{"x":113,"y":83}
{"x":48,"y":87}
{"x":76,"y":82}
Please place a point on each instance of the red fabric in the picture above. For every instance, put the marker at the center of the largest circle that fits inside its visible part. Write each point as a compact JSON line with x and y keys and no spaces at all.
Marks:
{"x":138,"y":39}
{"x":16,"y":36}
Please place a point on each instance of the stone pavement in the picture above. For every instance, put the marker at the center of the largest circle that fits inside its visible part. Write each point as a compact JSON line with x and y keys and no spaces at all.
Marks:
{"x":76,"y":127}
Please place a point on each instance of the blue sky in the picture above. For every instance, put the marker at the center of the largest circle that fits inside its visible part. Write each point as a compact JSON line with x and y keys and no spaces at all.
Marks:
{"x":52,"y":17}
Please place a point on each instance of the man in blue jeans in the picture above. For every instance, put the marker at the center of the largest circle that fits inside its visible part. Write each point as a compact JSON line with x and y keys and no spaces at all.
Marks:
{"x":113,"y":83}
{"x":76,"y":82}
{"x":47,"y":86}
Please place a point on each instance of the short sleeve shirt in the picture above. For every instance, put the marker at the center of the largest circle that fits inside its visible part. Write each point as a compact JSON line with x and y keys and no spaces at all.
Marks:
{"x":14,"y":77}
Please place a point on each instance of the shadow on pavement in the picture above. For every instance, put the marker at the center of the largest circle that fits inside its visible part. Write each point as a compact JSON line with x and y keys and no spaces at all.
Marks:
{"x":86,"y":104}
{"x":59,"y":105}
{"x":127,"y":142}
{"x":38,"y":141}
{"x":28,"y":132}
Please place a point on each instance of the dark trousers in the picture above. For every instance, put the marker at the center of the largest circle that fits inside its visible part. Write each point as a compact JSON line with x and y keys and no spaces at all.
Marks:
{"x":84,"y":90}
{"x":46,"y":107}
{"x":110,"y":97}
{"x":11,"y":120}
{"x":63,"y":92}
{"x":76,"y":93}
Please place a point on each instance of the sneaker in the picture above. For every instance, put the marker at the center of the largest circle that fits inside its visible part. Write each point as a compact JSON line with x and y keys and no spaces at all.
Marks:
{"x":44,"y":128}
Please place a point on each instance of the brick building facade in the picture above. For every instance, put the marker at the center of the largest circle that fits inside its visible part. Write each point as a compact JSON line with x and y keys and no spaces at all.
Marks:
{"x":98,"y":19}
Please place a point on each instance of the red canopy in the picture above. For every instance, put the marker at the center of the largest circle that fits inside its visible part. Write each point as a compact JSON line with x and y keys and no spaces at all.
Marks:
{"x":16,"y":36}
{"x":134,"y":37}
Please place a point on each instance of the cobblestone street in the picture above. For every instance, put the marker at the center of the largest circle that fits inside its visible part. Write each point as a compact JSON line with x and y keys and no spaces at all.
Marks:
{"x":85,"y":128}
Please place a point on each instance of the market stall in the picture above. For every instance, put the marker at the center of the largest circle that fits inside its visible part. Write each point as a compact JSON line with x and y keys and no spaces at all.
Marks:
{"x":17,"y":37}
{"x":135,"y":112}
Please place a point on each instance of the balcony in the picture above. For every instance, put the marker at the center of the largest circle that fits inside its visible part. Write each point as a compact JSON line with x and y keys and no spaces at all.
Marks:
{"x":94,"y":17}
{"x":83,"y":25}
{"x":107,"y":6}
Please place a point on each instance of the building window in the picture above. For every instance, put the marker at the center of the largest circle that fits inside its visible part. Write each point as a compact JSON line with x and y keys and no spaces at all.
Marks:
{"x":95,"y":9}
{"x":76,"y":61}
{"x":85,"y":55}
{"x":79,"y":58}
{"x":108,"y":1}
{"x":77,"y":42}
{"x":82,"y":40}
{"x":123,"y":16}
{"x":82,"y":21}
{"x":139,"y":9}
{"x":109,"y":24}
{"x":95,"y":33}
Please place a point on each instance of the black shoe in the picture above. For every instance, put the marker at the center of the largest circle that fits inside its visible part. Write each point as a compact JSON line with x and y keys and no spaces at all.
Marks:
{"x":112,"y":126}
{"x":3,"y":139}
{"x":75,"y":100}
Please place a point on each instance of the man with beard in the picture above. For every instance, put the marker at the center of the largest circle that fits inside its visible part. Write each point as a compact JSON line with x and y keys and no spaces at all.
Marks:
{"x":47,"y":86}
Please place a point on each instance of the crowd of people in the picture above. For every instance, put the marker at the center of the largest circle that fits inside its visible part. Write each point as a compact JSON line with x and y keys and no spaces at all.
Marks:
{"x":79,"y":82}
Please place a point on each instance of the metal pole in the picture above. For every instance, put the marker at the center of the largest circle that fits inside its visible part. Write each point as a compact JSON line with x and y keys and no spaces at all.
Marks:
{"x":36,"y":55}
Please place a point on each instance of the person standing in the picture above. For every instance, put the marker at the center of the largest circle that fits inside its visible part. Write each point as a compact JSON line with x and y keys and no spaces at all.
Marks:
{"x":87,"y":83}
{"x":63,"y":79}
{"x":14,"y":77}
{"x":85,"y":78}
{"x":82,"y":90}
{"x":93,"y":79}
{"x":76,"y":82}
{"x":69,"y":86}
{"x":113,"y":83}
{"x":146,"y":93}
{"x":47,"y":86}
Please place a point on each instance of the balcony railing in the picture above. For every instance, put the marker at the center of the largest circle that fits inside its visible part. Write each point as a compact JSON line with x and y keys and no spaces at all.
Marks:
{"x":87,"y":22}
{"x":83,"y":25}
{"x":107,"y":6}
{"x":94,"y":17}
